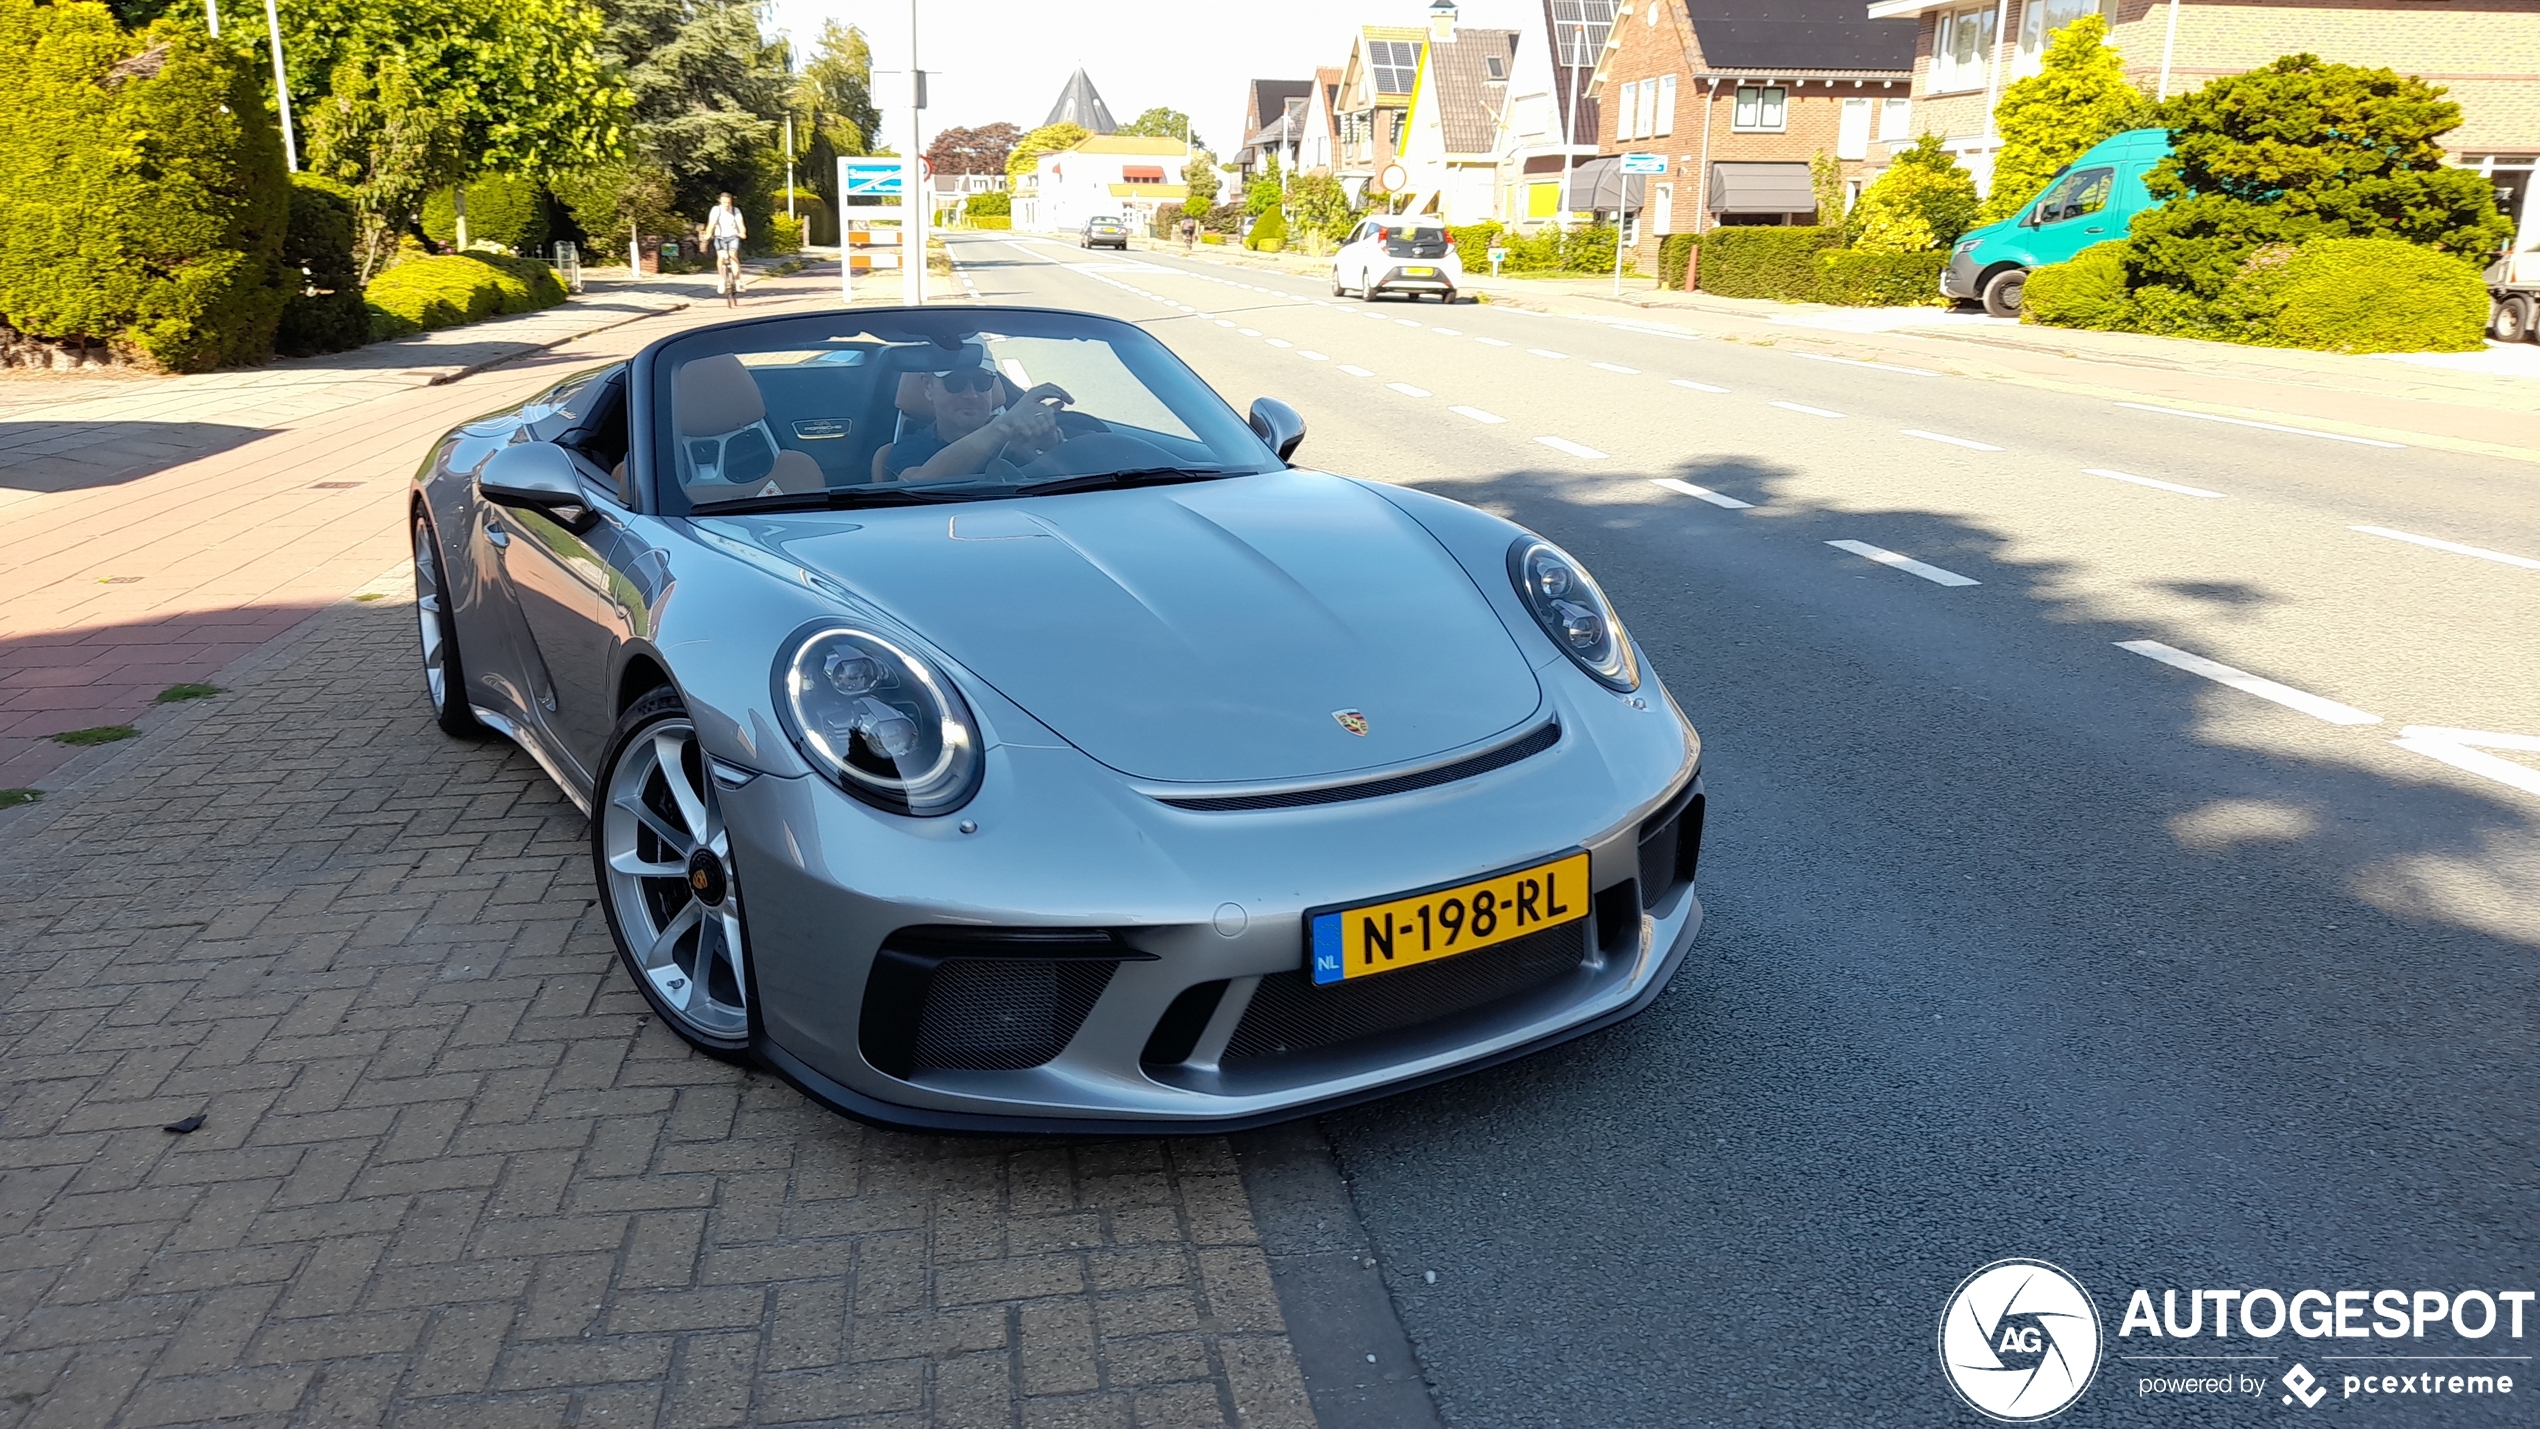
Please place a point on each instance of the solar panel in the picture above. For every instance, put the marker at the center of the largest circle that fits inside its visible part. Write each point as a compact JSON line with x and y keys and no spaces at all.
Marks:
{"x":1394,"y":62}
{"x":1579,"y":29}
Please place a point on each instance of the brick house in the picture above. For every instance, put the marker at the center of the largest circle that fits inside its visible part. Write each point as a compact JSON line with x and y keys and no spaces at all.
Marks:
{"x":1274,"y":123}
{"x":1738,"y":101}
{"x":1373,"y":101}
{"x":1449,"y":158}
{"x":2485,"y":52}
{"x":1547,"y":124}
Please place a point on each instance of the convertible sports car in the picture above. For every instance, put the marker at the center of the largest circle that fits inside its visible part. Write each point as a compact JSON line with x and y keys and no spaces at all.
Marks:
{"x":986,"y":728}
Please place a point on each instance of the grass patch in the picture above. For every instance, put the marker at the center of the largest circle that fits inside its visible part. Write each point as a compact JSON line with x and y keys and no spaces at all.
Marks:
{"x":368,"y":596}
{"x":174,"y":693}
{"x":11,"y":798}
{"x":101,"y":734}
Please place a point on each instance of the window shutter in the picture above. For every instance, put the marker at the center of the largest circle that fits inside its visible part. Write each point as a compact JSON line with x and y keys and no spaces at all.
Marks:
{"x":1852,"y":139}
{"x":1666,"y":105}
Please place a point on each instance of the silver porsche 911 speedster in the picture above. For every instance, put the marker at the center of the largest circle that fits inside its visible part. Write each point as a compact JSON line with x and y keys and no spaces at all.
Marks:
{"x":985,"y":728}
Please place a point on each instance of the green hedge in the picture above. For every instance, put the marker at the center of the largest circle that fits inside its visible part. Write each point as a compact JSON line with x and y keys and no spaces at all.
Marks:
{"x":991,"y":220}
{"x":143,"y":200}
{"x":1675,"y":255}
{"x":986,"y":204}
{"x":326,"y":315}
{"x":1764,"y":262}
{"x":2330,"y":294}
{"x":784,"y":234}
{"x":425,"y":293}
{"x":500,"y":209}
{"x":1546,"y":250}
{"x":1852,"y":279}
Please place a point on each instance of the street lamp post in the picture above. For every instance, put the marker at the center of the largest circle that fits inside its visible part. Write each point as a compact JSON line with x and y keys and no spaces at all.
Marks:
{"x":281,"y":86}
{"x":912,"y":181}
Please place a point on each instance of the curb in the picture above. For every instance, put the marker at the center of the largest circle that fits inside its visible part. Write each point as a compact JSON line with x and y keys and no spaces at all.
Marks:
{"x":492,"y":362}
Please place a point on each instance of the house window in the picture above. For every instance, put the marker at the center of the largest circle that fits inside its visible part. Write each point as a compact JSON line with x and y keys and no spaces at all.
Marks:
{"x":1627,"y":113}
{"x":1497,"y":67}
{"x":1761,"y":108}
{"x":1666,"y":105}
{"x":1896,"y":121}
{"x":2039,"y":20}
{"x":1852,"y":133}
{"x":1962,"y":44}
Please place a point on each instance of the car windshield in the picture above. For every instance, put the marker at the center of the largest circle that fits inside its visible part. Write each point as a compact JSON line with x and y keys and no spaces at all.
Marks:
{"x":895,"y":407}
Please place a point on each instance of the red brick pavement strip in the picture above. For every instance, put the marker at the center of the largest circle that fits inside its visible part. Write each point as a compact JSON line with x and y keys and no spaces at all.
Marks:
{"x":164,"y":579}
{"x":449,"y":1171}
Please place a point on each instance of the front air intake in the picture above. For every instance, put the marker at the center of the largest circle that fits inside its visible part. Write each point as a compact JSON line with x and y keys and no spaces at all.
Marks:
{"x":972,"y":1000}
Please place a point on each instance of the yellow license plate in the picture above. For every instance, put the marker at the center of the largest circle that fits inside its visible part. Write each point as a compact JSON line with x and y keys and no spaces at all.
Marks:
{"x":1419,"y":272}
{"x":1423,"y":927}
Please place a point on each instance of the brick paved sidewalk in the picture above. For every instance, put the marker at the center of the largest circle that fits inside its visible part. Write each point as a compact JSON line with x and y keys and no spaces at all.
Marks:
{"x":183,"y":522}
{"x":448,"y":1171}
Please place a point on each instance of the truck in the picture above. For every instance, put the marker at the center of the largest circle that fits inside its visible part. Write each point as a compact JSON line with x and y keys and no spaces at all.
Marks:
{"x":2513,"y":294}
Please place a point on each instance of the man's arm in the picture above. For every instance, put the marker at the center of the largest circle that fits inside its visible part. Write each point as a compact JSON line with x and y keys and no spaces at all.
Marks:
{"x":1031,"y":424}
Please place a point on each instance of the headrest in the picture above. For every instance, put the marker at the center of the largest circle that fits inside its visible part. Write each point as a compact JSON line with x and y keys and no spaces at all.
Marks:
{"x":715,"y":395}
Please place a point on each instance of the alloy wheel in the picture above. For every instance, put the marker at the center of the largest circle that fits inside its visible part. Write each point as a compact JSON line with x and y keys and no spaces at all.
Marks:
{"x":429,"y":616}
{"x":668,"y":865}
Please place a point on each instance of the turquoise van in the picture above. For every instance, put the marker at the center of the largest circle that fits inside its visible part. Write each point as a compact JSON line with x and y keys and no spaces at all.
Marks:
{"x":2093,"y":200}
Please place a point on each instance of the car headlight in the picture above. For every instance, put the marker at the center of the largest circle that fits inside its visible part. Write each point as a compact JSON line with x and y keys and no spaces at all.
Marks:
{"x":880,"y":721}
{"x":1569,"y":607}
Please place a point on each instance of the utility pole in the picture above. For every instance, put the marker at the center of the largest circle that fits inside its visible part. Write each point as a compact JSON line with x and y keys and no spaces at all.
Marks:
{"x":211,"y":14}
{"x":913,"y":196}
{"x":281,"y":86}
{"x":789,"y":166}
{"x":1576,"y":47}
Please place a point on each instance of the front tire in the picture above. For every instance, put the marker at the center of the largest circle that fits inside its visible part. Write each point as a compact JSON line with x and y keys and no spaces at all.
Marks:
{"x":663,"y":860}
{"x":2513,"y":320}
{"x":444,"y":674}
{"x":2002,"y":292}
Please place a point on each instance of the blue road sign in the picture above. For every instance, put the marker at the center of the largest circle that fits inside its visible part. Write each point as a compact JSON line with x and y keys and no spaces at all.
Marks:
{"x":1644,"y":163}
{"x":869,"y":178}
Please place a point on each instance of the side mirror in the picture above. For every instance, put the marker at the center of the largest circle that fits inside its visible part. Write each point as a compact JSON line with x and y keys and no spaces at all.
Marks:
{"x":1278,"y":424}
{"x":533,"y":474}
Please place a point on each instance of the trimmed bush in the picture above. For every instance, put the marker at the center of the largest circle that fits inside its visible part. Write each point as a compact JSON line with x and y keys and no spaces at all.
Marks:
{"x":1853,"y":279}
{"x":143,"y":201}
{"x":500,"y":209}
{"x":991,"y":220}
{"x":1269,"y":232}
{"x":426,"y":293}
{"x":326,"y":315}
{"x":987,"y":205}
{"x":784,"y":234}
{"x":1764,"y":262}
{"x":2377,"y":295}
{"x":1675,"y":255}
{"x":2089,"y":291}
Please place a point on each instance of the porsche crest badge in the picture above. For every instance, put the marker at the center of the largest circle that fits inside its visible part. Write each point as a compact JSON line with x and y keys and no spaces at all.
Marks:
{"x":1352,"y":721}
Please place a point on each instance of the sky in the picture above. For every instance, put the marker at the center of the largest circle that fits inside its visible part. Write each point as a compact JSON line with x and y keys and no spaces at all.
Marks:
{"x":994,"y":60}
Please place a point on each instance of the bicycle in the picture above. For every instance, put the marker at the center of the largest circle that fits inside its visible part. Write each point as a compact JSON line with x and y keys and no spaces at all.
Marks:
{"x":727,"y":270}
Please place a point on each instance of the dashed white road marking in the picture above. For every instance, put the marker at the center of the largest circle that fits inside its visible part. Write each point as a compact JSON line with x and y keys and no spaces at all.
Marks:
{"x":1907,"y":564}
{"x":1494,"y":341}
{"x":1564,"y":444}
{"x":1947,"y":440}
{"x":1407,"y":390}
{"x":1857,"y":362}
{"x":1615,"y":367}
{"x":1804,"y":409}
{"x":1701,"y":493}
{"x":2263,"y":426}
{"x":1547,"y":352}
{"x":1447,"y":331}
{"x":2455,"y":547}
{"x":2156,"y":485}
{"x":1478,"y":415}
{"x":1278,"y":342}
{"x":1409,"y":322}
{"x":2465,"y":749}
{"x":1221,"y":322}
{"x":1355,"y":371}
{"x":1248,"y":332}
{"x":1692,"y":386}
{"x":1310,"y":355}
{"x":2313,"y":705}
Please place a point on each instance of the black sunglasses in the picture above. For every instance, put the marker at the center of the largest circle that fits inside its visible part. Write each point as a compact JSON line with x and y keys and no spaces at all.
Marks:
{"x":968,"y":379}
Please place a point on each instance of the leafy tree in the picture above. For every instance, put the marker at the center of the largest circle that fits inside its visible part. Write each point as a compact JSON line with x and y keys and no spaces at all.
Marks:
{"x":1825,"y":179}
{"x":1922,"y":201}
{"x":1265,"y":193}
{"x":1321,"y":204}
{"x":709,"y":93}
{"x":2304,"y":149}
{"x":973,"y":151}
{"x":620,"y":201}
{"x":1200,"y":174}
{"x":1163,"y":123}
{"x":1048,"y":139}
{"x":2048,"y":119}
{"x":833,"y":106}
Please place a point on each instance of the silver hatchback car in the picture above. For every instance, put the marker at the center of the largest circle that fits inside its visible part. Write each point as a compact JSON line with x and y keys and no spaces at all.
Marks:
{"x":986,"y":728}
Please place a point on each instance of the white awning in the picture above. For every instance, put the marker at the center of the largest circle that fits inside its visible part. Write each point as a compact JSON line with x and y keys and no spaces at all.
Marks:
{"x":1762,"y":188}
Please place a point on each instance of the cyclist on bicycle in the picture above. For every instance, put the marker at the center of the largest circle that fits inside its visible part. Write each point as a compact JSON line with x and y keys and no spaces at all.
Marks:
{"x":725,"y":230}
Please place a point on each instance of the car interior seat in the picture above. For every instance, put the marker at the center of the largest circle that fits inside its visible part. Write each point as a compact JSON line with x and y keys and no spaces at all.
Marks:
{"x":724,"y":439}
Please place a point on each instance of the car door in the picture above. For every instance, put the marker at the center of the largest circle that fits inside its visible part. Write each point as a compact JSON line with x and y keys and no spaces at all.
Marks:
{"x":1350,"y":264}
{"x":580,"y":581}
{"x":2074,"y":214}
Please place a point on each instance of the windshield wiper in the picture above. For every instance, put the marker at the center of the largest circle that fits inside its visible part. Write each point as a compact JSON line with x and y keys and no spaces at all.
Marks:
{"x":1134,"y":476}
{"x":845,"y":499}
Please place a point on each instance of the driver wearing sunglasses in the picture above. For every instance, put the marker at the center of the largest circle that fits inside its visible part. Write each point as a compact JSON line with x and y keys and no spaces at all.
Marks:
{"x":970,"y":429}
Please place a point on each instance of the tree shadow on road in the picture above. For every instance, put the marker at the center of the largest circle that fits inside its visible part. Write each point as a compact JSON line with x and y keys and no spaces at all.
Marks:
{"x":81,"y":456}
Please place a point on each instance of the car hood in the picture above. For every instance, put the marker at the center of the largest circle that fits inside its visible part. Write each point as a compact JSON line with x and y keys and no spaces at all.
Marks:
{"x":1209,"y":632}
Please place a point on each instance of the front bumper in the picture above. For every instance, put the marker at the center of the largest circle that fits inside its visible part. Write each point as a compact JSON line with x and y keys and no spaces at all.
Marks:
{"x":1208,"y":910}
{"x":1958,"y":280}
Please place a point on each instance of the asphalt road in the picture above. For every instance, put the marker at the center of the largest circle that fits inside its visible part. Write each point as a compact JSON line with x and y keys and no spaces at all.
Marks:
{"x":2020,"y":942}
